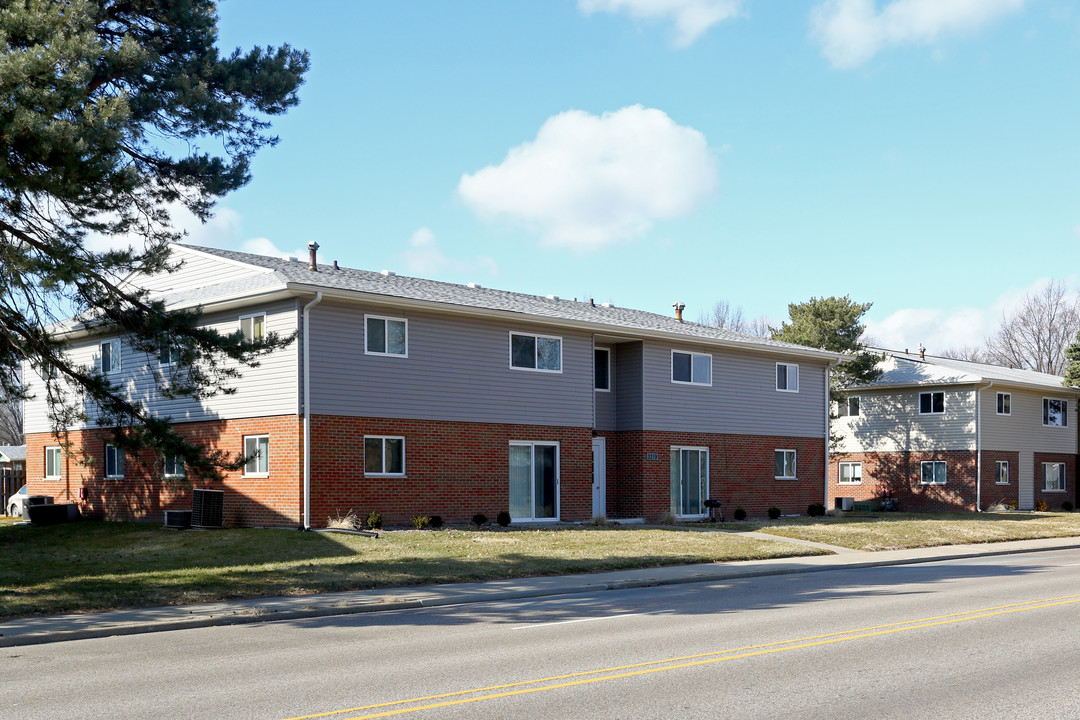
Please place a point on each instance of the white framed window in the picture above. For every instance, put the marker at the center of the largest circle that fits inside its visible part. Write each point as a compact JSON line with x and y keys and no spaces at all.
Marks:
{"x":602,"y":369}
{"x":787,"y":377}
{"x":848,"y":407}
{"x":1002,"y":477}
{"x":784,"y":460}
{"x":52,"y":462}
{"x":1004,"y":403}
{"x":109,"y":356}
{"x":934,"y":472}
{"x":1055,"y":412}
{"x":542,"y":353}
{"x":932,"y":403}
{"x":384,"y":456}
{"x":253,"y":327}
{"x":173,"y":466}
{"x":691,"y":368}
{"x":386,"y":336}
{"x":851,"y":473}
{"x":1053,"y":477}
{"x":257,"y":451}
{"x":689,"y":481}
{"x":534,"y":480}
{"x":114,"y":461}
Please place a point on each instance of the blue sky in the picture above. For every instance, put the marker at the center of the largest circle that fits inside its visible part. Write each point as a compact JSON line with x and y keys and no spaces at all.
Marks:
{"x":918,"y":154}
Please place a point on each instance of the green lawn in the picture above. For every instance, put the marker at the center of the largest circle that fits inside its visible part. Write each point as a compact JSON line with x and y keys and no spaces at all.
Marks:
{"x":90,"y":565}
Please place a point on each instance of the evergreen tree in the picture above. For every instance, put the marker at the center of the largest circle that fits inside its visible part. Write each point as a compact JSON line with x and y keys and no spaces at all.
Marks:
{"x":1072,"y":367}
{"x":105,"y":108}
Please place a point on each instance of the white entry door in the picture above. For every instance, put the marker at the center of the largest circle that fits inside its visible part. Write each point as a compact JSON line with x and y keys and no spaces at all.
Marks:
{"x":599,"y":477}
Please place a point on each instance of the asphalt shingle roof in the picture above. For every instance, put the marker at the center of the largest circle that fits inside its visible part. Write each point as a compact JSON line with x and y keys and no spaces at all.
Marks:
{"x":908,"y":369}
{"x":434,"y":291}
{"x":13,"y":452}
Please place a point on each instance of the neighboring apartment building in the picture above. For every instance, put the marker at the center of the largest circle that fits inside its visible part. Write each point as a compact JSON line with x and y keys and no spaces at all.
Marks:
{"x":942,"y":434}
{"x":432,"y":398}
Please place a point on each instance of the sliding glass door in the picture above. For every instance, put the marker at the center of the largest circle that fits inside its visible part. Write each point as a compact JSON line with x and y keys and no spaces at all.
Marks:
{"x":534,"y":481}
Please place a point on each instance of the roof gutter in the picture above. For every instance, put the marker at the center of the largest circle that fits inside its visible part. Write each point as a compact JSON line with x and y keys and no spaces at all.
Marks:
{"x":307,"y":409}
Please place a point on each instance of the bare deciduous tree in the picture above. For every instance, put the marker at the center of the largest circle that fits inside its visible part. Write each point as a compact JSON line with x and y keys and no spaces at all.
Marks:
{"x":11,"y":421}
{"x":727,"y":317}
{"x":970,"y":353}
{"x":1035,"y":336}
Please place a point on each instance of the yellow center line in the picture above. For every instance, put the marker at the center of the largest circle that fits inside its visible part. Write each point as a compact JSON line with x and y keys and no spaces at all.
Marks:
{"x":686,"y":661}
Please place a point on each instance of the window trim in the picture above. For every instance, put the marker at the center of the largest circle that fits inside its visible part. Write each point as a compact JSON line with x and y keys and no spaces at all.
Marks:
{"x":794,"y":464}
{"x":1064,"y":477}
{"x":384,"y":474}
{"x":59,"y":466}
{"x":840,"y":474}
{"x":1064,"y":412}
{"x":534,"y":336}
{"x":115,"y":356}
{"x":692,"y":355}
{"x":997,"y":473}
{"x":256,"y":474}
{"x":386,"y":333}
{"x":787,"y":377}
{"x":922,"y":474}
{"x":118,"y":454}
{"x":1007,"y":404}
{"x":606,"y":350}
{"x":250,"y":316}
{"x":931,"y":393}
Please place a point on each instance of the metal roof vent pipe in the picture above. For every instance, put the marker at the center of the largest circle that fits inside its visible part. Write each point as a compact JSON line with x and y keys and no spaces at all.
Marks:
{"x":679,"y":307}
{"x":922,"y":352}
{"x":313,"y":263}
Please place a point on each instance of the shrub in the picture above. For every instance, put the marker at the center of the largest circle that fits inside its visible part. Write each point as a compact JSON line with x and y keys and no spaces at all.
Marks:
{"x":479,"y":519}
{"x":666,"y":519}
{"x":350,"y":521}
{"x":503,"y":518}
{"x":815,"y":510}
{"x":1013,"y":505}
{"x":1041,"y":506}
{"x":774,"y":513}
{"x":435,"y":521}
{"x":374,"y":520}
{"x":1067,"y":506}
{"x":739,"y":514}
{"x":420,"y":521}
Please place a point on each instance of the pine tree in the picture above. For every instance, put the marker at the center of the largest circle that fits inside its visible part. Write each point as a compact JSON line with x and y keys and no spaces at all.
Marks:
{"x":1072,"y":367}
{"x":105,"y":106}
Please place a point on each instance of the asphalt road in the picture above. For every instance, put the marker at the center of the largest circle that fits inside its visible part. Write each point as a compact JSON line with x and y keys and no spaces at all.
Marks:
{"x":994,"y":637}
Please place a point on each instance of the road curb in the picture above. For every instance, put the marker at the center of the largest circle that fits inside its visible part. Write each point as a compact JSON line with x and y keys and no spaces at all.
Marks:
{"x":724,"y":572}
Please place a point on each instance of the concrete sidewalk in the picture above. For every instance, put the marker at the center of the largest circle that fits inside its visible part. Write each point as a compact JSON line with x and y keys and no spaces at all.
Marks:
{"x":57,"y":628}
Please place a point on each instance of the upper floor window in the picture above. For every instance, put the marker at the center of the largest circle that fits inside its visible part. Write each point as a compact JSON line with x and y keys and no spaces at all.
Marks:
{"x":848,"y":407}
{"x":785,"y":464}
{"x":52,"y":463}
{"x":602,"y":369}
{"x":850,"y":473}
{"x":787,"y":377}
{"x":932,"y":403}
{"x":384,"y":455}
{"x":253,"y":327}
{"x":1053,"y":479}
{"x":257,"y":451}
{"x":110,"y":356}
{"x":386,"y":336}
{"x":536,"y":352}
{"x":934,"y":472}
{"x":1055,"y":412}
{"x":114,"y":461}
{"x":691,"y":367}
{"x":1004,"y":403}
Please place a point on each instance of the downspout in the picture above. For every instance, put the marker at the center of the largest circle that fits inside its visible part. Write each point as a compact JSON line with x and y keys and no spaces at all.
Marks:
{"x":307,"y":412}
{"x":828,"y":424}
{"x":978,"y":445}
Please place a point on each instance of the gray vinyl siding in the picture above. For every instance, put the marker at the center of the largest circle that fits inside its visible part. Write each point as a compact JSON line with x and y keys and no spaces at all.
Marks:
{"x":629,"y":397}
{"x":1023,"y":429}
{"x":197,"y":271}
{"x":742,"y":399}
{"x":270,"y":389}
{"x":889,"y":421}
{"x":457,"y":369}
{"x":605,"y":405}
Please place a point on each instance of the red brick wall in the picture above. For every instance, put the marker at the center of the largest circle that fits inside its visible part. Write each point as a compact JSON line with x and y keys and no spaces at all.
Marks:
{"x":142,"y":495}
{"x":452,"y":469}
{"x":900,"y":474}
{"x":1054,"y":499}
{"x":992,"y":493}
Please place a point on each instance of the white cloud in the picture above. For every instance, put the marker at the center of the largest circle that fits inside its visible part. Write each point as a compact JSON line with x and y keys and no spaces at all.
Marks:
{"x":423,"y":257}
{"x":263,"y":246}
{"x":589,"y":181}
{"x":691,"y":17}
{"x":853,"y":31}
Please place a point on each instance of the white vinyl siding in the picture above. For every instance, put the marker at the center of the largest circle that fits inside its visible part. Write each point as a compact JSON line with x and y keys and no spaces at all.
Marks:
{"x":785,"y":464}
{"x":1023,"y":428}
{"x":384,"y":456}
{"x":890,"y":421}
{"x":53,"y":463}
{"x":934,"y":472}
{"x":787,"y":377}
{"x":257,"y":450}
{"x":386,"y":336}
{"x":691,"y":368}
{"x":542,"y":353}
{"x":1053,"y":477}
{"x":850,"y":473}
{"x":1002,"y":476}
